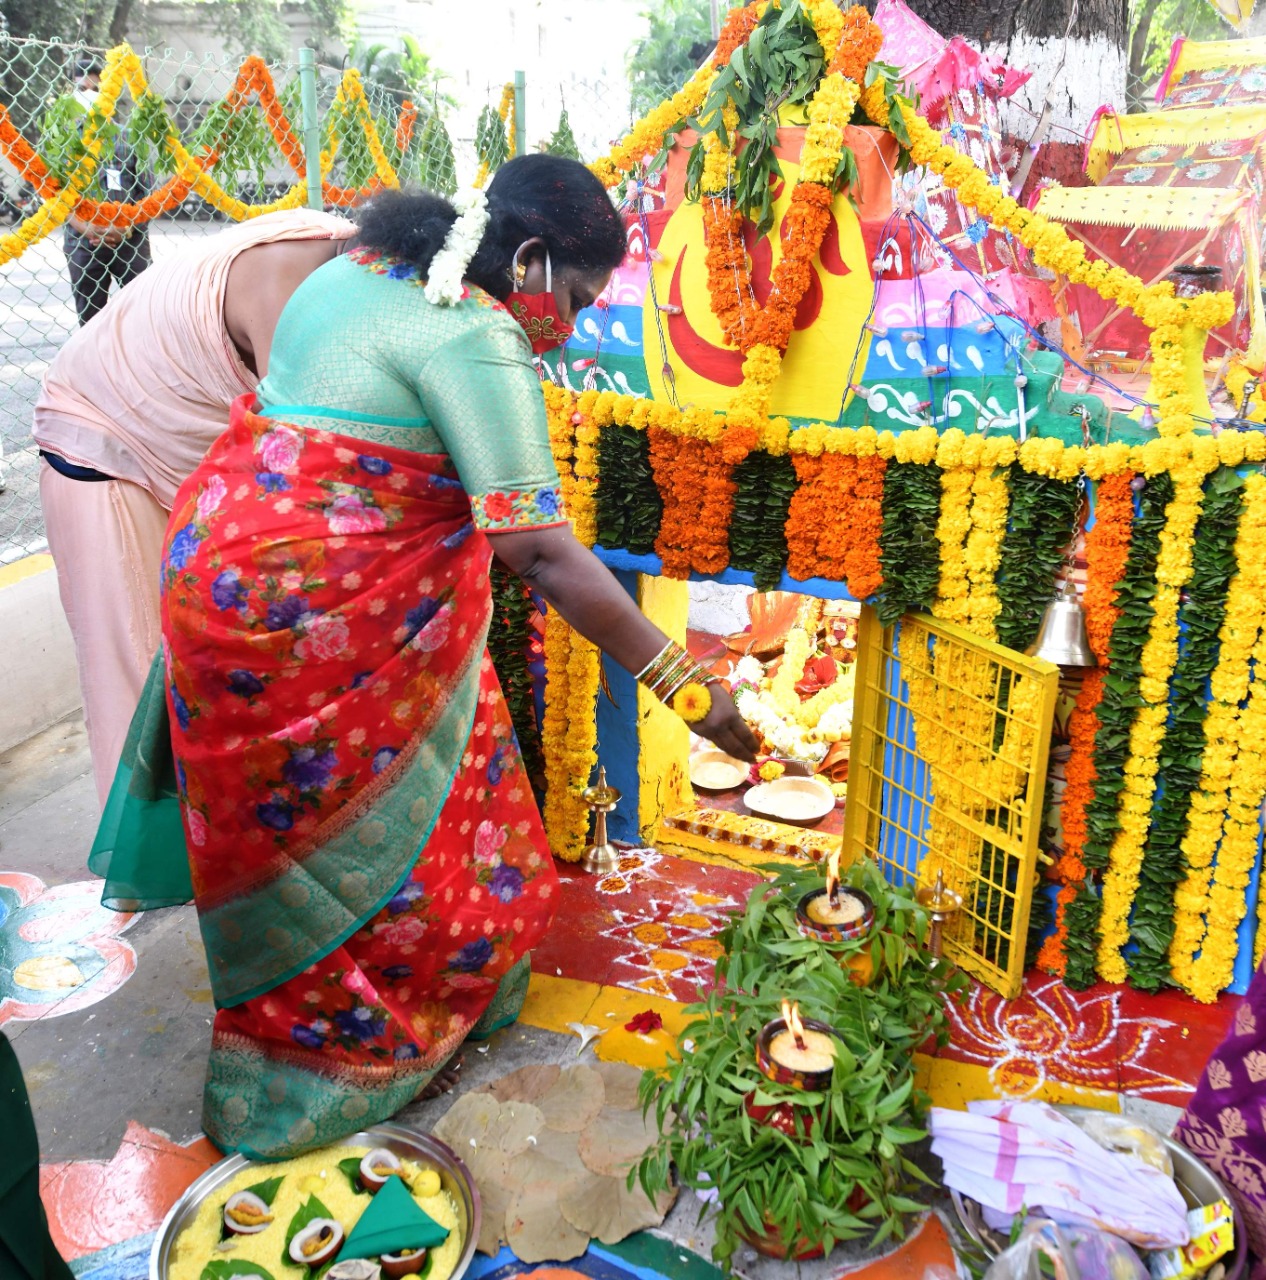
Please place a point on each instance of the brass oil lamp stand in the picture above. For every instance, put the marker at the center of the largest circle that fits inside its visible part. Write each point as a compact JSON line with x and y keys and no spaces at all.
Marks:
{"x":601,"y":857}
{"x":942,"y":905}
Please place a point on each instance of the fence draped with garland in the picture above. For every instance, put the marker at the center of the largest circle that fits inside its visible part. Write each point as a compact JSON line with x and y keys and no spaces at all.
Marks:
{"x":1168,"y":769}
{"x":216,"y":143}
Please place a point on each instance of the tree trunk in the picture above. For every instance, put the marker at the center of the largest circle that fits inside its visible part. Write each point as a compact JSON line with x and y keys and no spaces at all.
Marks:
{"x":1029,"y":35}
{"x":119,"y":21}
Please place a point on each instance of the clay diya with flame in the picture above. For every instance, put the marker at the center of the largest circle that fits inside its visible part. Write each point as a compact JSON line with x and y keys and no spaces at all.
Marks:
{"x":795,"y":1051}
{"x":836,"y":915}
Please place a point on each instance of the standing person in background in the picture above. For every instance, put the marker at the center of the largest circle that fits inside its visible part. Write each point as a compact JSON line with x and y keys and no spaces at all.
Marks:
{"x":97,"y":256}
{"x":127,"y":409}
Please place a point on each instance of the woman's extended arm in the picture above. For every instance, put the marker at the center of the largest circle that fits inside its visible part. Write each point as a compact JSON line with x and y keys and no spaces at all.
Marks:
{"x":584,"y":592}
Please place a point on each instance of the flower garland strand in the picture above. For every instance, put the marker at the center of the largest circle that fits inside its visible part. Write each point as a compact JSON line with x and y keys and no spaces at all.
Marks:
{"x":569,"y":734}
{"x":1175,"y":322}
{"x":1116,"y":710}
{"x":1200,"y":619}
{"x":1157,"y":661}
{"x":1225,"y":733}
{"x":445,"y":285}
{"x":1107,"y":552}
{"x":124,"y":69}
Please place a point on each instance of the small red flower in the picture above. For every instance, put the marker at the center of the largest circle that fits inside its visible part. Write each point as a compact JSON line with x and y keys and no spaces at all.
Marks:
{"x":645,"y":1022}
{"x":497,"y":506}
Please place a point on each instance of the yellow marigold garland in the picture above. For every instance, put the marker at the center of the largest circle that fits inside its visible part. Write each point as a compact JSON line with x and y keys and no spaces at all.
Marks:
{"x":1173,"y":571}
{"x":1051,"y":246}
{"x":983,"y":554}
{"x":952,"y":530}
{"x":1197,"y":926}
{"x":647,"y":136}
{"x":1238,"y":851}
{"x":569,"y":732}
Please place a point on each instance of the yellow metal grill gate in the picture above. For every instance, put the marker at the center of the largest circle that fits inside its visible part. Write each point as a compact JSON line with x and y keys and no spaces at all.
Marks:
{"x":951,"y":735}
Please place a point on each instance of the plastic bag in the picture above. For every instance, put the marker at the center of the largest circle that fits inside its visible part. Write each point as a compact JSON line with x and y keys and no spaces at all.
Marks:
{"x":1070,"y":1253}
{"x":1127,"y":1137}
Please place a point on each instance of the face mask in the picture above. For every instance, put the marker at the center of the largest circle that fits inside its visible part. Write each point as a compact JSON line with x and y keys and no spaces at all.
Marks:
{"x":538,"y":313}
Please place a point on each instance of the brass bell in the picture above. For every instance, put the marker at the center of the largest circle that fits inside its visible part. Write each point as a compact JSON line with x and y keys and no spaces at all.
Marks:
{"x":1062,"y":638}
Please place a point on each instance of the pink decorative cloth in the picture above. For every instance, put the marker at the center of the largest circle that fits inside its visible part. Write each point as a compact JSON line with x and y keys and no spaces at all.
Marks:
{"x":938,"y":67}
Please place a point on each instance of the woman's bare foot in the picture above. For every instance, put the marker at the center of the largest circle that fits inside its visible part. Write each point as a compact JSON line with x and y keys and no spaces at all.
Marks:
{"x":445,"y":1081}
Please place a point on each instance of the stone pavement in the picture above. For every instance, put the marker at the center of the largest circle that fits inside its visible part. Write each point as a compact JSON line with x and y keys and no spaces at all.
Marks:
{"x":110,"y":1017}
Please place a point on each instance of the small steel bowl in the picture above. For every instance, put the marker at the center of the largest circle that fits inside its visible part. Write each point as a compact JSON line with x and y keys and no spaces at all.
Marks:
{"x":454,"y":1178}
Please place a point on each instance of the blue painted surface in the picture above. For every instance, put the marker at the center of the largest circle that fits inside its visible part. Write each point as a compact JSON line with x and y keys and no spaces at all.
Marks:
{"x":596,"y":1264}
{"x":618,"y":329}
{"x":618,"y":746}
{"x":823,"y":588}
{"x":905,"y":790}
{"x":126,"y":1261}
{"x":969,"y":355}
{"x":1244,"y":967}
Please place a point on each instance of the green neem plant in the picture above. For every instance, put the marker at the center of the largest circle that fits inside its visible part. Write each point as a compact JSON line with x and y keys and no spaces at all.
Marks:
{"x":815,"y":1168}
{"x":888,"y":978}
{"x":797,"y":1171}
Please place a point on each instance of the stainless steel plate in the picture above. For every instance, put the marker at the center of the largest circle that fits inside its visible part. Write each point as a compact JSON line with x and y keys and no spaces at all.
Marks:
{"x":454,"y":1177}
{"x":1197,"y":1182}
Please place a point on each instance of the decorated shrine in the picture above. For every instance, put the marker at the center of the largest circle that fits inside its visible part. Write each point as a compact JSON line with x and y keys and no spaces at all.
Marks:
{"x":962,"y":497}
{"x":805,"y":382}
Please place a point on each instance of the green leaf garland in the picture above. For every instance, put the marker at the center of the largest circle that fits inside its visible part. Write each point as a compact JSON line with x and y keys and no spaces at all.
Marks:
{"x":1200,"y":619}
{"x":629,"y":505}
{"x":508,"y":639}
{"x":908,"y":551}
{"x":1039,"y":528}
{"x":1116,"y":712}
{"x":563,"y":143}
{"x":758,"y":527}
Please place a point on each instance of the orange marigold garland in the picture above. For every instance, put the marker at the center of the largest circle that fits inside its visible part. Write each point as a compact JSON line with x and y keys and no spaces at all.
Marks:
{"x":1107,"y":550}
{"x":866,"y":518}
{"x":695,"y":478}
{"x":739,"y":26}
{"x":734,"y":307}
{"x":807,"y":221}
{"x":860,"y":42}
{"x":818,"y":521}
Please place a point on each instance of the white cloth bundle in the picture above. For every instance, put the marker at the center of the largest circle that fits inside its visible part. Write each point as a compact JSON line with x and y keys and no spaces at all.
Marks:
{"x":1009,"y":1156}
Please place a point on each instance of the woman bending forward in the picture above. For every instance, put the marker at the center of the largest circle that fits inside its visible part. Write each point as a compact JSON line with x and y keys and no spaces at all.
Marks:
{"x":368,"y":863}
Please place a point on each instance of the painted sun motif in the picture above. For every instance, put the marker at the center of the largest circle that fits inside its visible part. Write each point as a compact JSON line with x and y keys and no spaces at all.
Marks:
{"x":1051,"y":1035}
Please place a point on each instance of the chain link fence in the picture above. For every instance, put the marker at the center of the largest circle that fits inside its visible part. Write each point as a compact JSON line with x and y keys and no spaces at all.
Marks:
{"x":241,"y":125}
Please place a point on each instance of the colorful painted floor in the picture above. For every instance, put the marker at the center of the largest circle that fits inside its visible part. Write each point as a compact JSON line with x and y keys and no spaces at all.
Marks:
{"x":109,"y":1016}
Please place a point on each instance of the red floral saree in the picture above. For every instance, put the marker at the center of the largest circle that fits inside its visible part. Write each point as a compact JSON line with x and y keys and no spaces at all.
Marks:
{"x":367,"y":860}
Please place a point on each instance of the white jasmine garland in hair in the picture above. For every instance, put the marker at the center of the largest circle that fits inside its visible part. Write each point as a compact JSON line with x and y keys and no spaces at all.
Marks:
{"x":448,"y":267}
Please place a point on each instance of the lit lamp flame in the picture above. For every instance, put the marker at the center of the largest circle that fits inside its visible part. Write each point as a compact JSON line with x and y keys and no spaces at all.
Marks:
{"x":791,"y":1016}
{"x":833,"y":878}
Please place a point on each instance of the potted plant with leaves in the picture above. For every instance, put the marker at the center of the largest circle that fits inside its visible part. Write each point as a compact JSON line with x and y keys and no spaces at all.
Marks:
{"x":905,"y":988}
{"x":794,"y":1170}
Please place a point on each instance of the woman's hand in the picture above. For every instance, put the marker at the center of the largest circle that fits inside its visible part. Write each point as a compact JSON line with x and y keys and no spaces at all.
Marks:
{"x":582,"y":589}
{"x":724,"y":727}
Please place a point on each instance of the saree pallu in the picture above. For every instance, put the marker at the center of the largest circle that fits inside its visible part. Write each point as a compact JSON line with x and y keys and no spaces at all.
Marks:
{"x":367,"y":860}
